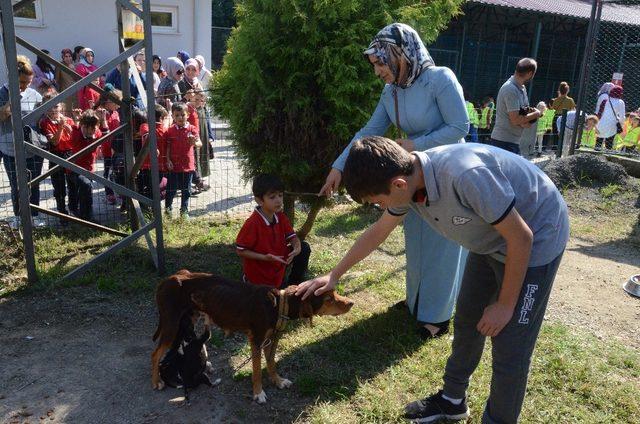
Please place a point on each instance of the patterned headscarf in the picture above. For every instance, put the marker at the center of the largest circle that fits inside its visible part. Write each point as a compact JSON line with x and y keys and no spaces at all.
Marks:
{"x":400,"y":40}
{"x":616,"y":92}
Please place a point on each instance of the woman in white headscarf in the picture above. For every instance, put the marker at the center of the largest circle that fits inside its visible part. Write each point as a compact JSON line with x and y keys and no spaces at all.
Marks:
{"x":205,"y":74}
{"x":426,"y":102}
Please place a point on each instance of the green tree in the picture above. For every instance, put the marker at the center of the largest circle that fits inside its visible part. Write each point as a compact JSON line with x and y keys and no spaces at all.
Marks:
{"x":295,"y":86}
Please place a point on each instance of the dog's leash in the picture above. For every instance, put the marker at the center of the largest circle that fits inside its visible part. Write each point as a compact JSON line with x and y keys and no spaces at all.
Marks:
{"x":281,"y":324}
{"x":265,"y":343}
{"x":283,"y":312}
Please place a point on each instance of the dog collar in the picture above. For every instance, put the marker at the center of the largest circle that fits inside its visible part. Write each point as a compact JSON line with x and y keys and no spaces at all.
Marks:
{"x":283,"y":311}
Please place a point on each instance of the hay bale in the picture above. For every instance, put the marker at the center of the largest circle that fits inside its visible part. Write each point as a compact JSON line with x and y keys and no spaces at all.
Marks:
{"x":585,"y":170}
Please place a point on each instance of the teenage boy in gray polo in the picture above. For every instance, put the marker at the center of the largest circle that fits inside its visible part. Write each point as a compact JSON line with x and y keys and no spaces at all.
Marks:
{"x":515,"y":224}
{"x":512,"y":98}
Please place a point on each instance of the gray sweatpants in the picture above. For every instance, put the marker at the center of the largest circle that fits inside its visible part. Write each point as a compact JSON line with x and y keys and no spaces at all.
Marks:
{"x":511,"y":348}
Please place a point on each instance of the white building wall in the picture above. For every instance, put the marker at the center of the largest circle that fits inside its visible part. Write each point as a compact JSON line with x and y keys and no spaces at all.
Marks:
{"x":92,"y":23}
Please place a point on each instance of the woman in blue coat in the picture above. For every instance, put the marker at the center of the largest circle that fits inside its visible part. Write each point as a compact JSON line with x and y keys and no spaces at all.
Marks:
{"x":426,"y":103}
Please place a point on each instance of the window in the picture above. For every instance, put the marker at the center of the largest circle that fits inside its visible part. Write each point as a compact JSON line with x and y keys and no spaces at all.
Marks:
{"x":29,"y":15}
{"x":164,"y":19}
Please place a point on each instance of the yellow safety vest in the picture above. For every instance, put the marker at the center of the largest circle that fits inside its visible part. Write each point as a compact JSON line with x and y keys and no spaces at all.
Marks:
{"x":473,"y":114}
{"x":487,"y":115}
{"x":589,"y":138}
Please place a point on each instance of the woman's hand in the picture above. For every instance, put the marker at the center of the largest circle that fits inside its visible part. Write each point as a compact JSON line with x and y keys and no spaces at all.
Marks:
{"x":406,"y":144}
{"x":332,"y":183}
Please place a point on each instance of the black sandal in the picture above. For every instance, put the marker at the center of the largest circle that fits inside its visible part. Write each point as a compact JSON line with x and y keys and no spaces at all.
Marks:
{"x":400,"y":305}
{"x":425,"y":334}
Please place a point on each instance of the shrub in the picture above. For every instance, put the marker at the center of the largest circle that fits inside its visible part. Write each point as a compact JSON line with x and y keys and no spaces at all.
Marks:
{"x":295,"y":86}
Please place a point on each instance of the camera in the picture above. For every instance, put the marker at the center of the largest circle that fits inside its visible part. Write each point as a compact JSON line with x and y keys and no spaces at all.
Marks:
{"x":525,"y":110}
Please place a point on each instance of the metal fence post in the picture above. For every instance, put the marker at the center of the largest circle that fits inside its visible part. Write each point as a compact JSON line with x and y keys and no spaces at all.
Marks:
{"x":153,"y":143}
{"x":585,"y":69}
{"x":10,"y":52}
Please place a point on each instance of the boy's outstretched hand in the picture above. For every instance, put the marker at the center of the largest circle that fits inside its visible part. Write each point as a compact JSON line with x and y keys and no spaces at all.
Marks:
{"x":297,"y":248}
{"x":273,"y":258}
{"x":316,"y":286}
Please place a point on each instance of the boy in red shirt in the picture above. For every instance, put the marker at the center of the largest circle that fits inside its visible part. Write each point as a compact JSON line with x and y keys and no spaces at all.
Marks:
{"x":109,"y":118}
{"x":267,"y":243}
{"x":144,"y":177}
{"x":57,"y":128}
{"x":180,"y":139}
{"x":80,"y":190}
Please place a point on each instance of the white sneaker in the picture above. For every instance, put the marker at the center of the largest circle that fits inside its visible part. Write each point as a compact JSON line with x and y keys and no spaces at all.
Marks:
{"x":38,"y":222}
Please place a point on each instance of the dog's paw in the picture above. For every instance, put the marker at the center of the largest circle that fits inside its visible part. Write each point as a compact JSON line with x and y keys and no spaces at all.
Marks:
{"x":260,"y":397}
{"x":284,"y":383}
{"x":159,"y":385}
{"x":209,"y":367}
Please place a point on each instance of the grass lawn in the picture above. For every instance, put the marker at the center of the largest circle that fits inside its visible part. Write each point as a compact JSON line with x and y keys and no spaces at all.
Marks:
{"x":364,"y":366}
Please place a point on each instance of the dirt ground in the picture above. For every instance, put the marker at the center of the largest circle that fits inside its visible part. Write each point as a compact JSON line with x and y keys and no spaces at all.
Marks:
{"x":108,"y":341}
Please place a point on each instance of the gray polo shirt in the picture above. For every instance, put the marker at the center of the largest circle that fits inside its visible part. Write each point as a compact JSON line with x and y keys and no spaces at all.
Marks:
{"x":511,"y":97}
{"x":471,"y":187}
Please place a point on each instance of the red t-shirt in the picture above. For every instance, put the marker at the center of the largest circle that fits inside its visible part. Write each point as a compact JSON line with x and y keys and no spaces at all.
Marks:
{"x":79,"y":142}
{"x":181,"y":150}
{"x":162,"y":148}
{"x":261,"y":236}
{"x":113,"y":122}
{"x":49,"y":129}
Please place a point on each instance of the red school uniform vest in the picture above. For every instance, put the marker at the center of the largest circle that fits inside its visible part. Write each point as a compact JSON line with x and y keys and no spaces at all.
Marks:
{"x":162,"y":148}
{"x":79,"y":142}
{"x":49,"y":129}
{"x":181,"y":151}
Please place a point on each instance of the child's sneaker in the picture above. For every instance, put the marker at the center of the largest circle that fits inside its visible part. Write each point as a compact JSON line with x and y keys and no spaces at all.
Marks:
{"x":184,"y":215}
{"x":434,"y":408}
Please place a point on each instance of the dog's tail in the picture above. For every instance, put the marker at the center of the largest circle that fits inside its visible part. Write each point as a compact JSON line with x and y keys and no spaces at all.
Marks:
{"x":168,"y":293}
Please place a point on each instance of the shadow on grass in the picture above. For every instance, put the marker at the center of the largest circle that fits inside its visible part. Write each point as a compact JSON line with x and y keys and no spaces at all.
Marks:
{"x":347,"y":222}
{"x":332,"y":368}
{"x":131,"y":269}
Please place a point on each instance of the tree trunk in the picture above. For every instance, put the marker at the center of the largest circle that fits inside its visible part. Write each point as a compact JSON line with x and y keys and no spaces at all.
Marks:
{"x":311,"y":218}
{"x":290,"y":207}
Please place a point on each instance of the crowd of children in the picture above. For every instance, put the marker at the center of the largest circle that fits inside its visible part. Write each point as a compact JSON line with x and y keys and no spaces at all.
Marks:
{"x":626,"y":139}
{"x":184,"y":137}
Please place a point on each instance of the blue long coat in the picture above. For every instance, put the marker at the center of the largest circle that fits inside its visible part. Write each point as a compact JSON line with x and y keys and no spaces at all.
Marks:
{"x":432,"y":113}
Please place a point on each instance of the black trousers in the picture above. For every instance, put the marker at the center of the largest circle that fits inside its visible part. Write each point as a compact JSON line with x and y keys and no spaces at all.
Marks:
{"x":59,"y":181}
{"x":608,"y":142}
{"x":80,"y":196}
{"x":299,"y":266}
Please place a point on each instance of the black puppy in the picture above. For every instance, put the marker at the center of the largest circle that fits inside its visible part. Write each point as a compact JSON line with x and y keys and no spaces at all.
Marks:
{"x":184,"y":364}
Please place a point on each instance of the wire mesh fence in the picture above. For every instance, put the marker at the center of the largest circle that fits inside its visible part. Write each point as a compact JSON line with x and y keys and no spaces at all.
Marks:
{"x":225,"y":191}
{"x":612,"y":89}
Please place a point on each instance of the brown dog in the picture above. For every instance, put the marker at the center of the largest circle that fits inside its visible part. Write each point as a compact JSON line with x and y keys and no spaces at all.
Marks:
{"x":254,"y":310}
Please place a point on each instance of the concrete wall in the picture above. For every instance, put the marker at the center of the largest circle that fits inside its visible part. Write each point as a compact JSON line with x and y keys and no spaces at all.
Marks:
{"x":92,"y":23}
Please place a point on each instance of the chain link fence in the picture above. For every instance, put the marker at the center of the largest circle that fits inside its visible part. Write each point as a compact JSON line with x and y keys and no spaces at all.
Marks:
{"x":226,"y":193}
{"x":614,"y":61}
